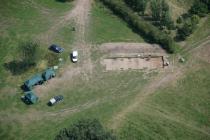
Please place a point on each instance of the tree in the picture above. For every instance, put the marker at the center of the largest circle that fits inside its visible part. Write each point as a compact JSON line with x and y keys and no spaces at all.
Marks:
{"x":142,"y":27}
{"x":166,"y":20}
{"x":199,"y":8}
{"x":188,"y":27}
{"x":27,"y":57}
{"x":137,"y":5}
{"x":156,"y":9}
{"x":207,"y":2}
{"x":160,"y":13}
{"x":85,"y":130}
{"x":29,"y":53}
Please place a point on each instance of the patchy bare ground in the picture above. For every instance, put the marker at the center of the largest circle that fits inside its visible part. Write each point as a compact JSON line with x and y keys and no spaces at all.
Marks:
{"x":162,"y":80}
{"x":133,"y":63}
{"x":80,"y":15}
{"x":45,"y":11}
{"x":176,"y":10}
{"x":124,"y":56}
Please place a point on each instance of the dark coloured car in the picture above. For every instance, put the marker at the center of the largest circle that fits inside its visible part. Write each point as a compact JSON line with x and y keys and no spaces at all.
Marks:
{"x":55,"y":100}
{"x":56,"y":48}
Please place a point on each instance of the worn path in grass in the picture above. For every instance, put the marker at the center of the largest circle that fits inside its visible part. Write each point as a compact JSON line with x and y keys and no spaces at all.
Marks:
{"x":80,"y":16}
{"x":166,"y":115}
{"x":162,"y":80}
{"x":80,"y":11}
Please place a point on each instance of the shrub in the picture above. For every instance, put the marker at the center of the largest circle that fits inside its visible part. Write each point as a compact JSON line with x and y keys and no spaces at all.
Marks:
{"x":199,"y":8}
{"x":29,"y":53}
{"x":207,"y":2}
{"x":160,"y":13}
{"x":52,"y":59}
{"x":147,"y":30}
{"x":27,"y":57}
{"x":137,"y":5}
{"x":188,"y":27}
{"x":85,"y":130}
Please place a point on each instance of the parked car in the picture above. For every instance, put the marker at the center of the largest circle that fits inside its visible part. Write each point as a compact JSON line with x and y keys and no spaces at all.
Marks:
{"x":56,"y":48}
{"x":55,"y":100}
{"x":74,"y":56}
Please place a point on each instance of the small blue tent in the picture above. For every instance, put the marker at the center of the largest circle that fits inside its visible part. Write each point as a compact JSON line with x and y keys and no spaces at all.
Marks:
{"x":48,"y":74}
{"x":37,"y":79}
{"x":30,"y":97}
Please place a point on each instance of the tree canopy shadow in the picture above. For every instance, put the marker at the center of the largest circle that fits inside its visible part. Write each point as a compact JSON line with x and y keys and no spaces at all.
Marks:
{"x":17,"y":67}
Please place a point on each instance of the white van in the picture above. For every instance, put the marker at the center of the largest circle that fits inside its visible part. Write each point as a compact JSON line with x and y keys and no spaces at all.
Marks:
{"x":74,"y":56}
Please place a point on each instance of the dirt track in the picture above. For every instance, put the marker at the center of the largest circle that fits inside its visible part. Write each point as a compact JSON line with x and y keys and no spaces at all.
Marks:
{"x":80,"y":15}
{"x":162,"y":80}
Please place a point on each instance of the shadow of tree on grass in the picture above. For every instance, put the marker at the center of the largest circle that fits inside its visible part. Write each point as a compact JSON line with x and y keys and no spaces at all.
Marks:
{"x":17,"y":67}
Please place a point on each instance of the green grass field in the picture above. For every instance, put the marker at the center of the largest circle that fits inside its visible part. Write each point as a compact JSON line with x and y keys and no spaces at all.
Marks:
{"x":27,"y":20}
{"x":178,"y":111}
{"x":97,"y":99}
{"x":106,"y":27}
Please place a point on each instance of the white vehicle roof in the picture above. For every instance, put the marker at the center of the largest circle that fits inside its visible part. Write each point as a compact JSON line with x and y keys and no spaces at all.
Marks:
{"x":75,"y":53}
{"x":52,"y":101}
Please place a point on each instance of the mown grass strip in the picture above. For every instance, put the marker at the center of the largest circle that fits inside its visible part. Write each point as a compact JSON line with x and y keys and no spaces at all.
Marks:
{"x":144,"y":28}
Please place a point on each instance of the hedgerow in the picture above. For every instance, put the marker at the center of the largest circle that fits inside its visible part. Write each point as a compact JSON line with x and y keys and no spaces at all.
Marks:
{"x":147,"y":30}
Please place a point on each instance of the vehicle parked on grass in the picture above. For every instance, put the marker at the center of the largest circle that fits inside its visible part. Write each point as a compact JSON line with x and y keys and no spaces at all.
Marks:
{"x":48,"y":74}
{"x":55,"y":100}
{"x":56,"y":48}
{"x":74,"y":56}
{"x":29,"y":97}
{"x":39,"y":79}
{"x":35,"y":80}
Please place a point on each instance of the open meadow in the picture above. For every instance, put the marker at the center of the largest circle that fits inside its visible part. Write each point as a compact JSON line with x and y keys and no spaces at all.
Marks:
{"x":171,"y":103}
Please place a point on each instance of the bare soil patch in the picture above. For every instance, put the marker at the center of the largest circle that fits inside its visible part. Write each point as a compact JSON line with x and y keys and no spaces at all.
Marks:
{"x":124,"y":56}
{"x":133,"y":63}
